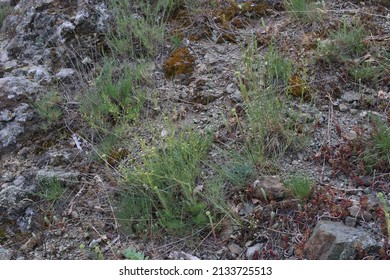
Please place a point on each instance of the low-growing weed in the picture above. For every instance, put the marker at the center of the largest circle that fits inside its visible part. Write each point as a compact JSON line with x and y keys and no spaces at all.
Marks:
{"x":132,"y":254}
{"x":300,"y":186}
{"x":343,"y":44}
{"x":48,"y":107}
{"x":269,"y":130}
{"x":51,"y":189}
{"x":162,"y":186}
{"x":304,"y":10}
{"x":386,"y":212}
{"x":366,"y":72}
{"x":139,"y":26}
{"x":114,"y":102}
{"x":377,"y":153}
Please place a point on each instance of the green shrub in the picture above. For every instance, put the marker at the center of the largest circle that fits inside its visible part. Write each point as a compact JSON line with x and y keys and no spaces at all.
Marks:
{"x":132,"y":254}
{"x":138,"y":26}
{"x":377,"y":152}
{"x":51,"y":189}
{"x":346,"y":43}
{"x":304,"y":10}
{"x":161,"y":186}
{"x":300,"y":186}
{"x":269,"y":131}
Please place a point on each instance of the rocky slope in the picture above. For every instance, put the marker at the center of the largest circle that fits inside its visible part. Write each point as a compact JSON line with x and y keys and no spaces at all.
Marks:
{"x":47,"y":43}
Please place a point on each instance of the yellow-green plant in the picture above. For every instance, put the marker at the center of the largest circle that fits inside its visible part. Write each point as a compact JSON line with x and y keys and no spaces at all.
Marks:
{"x":161,"y":186}
{"x":386,"y":211}
{"x":377,"y":153}
{"x":115,"y":101}
{"x":304,"y":10}
{"x":270,"y":132}
{"x":138,"y":26}
{"x":132,"y":254}
{"x":343,"y":44}
{"x":299,"y":185}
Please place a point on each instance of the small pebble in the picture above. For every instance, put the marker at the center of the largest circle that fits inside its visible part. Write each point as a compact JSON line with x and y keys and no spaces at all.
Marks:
{"x":343,"y":107}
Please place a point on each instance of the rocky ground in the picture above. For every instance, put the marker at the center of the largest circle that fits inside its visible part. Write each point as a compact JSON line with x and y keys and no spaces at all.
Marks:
{"x":42,"y":43}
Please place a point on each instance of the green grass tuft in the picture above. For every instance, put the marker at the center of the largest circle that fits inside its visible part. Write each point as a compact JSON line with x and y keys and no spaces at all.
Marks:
{"x":304,"y":10}
{"x":300,"y":186}
{"x":343,"y":44}
{"x":162,"y":185}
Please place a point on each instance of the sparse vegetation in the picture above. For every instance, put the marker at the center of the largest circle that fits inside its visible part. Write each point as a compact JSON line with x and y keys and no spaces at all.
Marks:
{"x":366,"y":72}
{"x":304,"y":10}
{"x":115,"y":101}
{"x":270,"y":132}
{"x":132,"y":254}
{"x":139,"y":27}
{"x":48,"y":107}
{"x":343,"y":44}
{"x":300,"y":186}
{"x":377,"y":152}
{"x":51,"y":189}
{"x":197,"y":124}
{"x":386,"y":212}
{"x":162,"y":186}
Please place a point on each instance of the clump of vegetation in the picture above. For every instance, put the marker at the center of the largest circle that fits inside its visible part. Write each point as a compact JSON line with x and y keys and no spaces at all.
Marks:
{"x":115,"y":100}
{"x":386,"y":212}
{"x":132,"y":254}
{"x":138,"y":27}
{"x":269,"y":131}
{"x":343,"y":44}
{"x":377,"y":153}
{"x":278,"y":69}
{"x":162,"y":185}
{"x":51,"y":189}
{"x":116,"y":97}
{"x":300,"y":186}
{"x":48,"y":107}
{"x":304,"y":10}
{"x":366,"y":72}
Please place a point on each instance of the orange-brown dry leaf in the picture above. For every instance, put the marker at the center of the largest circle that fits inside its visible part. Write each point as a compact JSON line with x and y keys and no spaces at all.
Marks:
{"x":297,"y":87}
{"x":179,"y":62}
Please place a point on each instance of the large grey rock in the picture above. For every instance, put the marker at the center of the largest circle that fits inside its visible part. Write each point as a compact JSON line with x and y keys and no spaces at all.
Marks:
{"x":14,"y":126}
{"x":5,"y":254}
{"x":68,"y":178}
{"x":40,"y":25}
{"x":14,"y":200}
{"x":336,"y":241}
{"x":11,"y":87}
